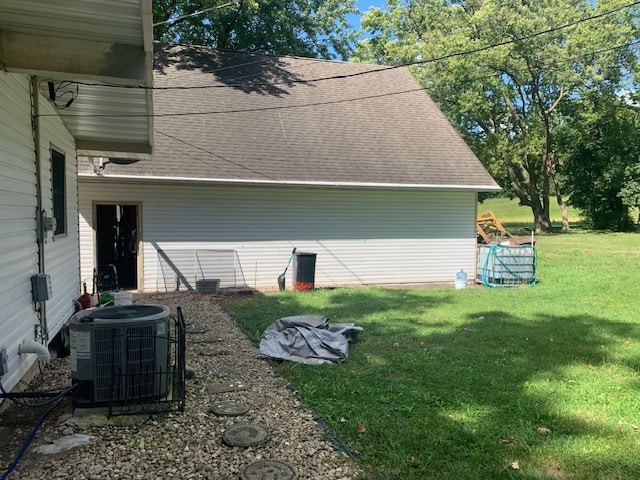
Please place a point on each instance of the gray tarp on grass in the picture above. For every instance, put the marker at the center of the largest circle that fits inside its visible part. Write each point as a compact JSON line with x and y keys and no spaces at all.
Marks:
{"x":308,"y":339}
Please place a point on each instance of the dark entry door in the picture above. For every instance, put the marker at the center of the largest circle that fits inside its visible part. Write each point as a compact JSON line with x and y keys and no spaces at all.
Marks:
{"x":117,"y":241}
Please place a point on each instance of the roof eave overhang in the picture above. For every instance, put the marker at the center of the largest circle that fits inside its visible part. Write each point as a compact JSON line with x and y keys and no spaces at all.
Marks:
{"x":67,"y":50}
{"x":58,"y":57}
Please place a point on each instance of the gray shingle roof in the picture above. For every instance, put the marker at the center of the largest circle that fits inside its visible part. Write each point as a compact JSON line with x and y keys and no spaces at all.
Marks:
{"x":247,"y":117}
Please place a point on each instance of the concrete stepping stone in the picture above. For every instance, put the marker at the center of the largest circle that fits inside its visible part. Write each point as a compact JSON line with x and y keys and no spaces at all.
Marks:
{"x":196,"y":331}
{"x":210,"y":351}
{"x":245,"y":435}
{"x":206,"y":340}
{"x":227,"y":387}
{"x":219,"y":371}
{"x":269,"y":469}
{"x":229,"y":409}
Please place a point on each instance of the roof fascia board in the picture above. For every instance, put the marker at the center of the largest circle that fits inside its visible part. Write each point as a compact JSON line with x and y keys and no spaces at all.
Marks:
{"x":214,"y":181}
{"x":43,"y":54}
{"x":146,"y":10}
{"x":107,"y":146}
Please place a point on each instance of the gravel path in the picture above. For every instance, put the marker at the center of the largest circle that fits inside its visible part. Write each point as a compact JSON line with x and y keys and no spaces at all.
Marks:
{"x":185,"y":445}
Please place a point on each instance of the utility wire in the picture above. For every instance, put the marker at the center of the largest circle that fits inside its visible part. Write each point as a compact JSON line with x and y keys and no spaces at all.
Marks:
{"x":209,"y":152}
{"x":263,"y":60}
{"x":385,"y":67}
{"x":258,"y":84}
{"x":240,"y":110}
{"x":522,"y":38}
{"x":551,"y":66}
{"x":199,"y":12}
{"x":196,"y":147}
{"x":320,"y":103}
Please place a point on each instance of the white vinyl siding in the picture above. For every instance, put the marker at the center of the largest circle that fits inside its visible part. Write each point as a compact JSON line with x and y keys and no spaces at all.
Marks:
{"x":19,"y":253}
{"x":61,"y":251}
{"x":18,"y":205}
{"x":360,"y":236}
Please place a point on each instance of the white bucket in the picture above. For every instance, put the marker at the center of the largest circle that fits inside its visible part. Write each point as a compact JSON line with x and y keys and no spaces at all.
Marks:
{"x":122,"y":298}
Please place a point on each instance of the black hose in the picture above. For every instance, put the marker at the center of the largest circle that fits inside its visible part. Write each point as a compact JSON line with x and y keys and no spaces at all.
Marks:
{"x":52,"y":396}
{"x":53,"y":404}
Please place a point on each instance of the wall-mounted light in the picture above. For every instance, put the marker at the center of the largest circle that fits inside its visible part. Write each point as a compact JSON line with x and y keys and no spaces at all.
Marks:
{"x":103,"y":162}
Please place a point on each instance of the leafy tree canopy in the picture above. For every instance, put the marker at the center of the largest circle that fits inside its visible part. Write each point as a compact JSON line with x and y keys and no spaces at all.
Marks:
{"x":503,"y":71}
{"x":310,"y":28}
{"x":602,"y":150}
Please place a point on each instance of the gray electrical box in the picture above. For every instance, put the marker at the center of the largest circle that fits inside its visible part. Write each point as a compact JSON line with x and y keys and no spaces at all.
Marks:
{"x":41,"y":287}
{"x":49,"y":224}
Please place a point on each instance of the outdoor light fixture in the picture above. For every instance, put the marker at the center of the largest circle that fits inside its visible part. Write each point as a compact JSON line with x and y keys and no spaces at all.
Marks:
{"x":103,"y":162}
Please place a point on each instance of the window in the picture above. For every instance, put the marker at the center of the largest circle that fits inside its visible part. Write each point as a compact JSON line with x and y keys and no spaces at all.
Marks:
{"x":58,"y":181}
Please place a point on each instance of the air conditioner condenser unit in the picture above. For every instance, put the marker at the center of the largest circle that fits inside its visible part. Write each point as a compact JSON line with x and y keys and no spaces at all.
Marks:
{"x":121,"y":355}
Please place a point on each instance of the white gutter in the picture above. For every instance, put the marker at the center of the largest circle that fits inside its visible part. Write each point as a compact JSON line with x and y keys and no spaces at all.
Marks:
{"x":291,"y":183}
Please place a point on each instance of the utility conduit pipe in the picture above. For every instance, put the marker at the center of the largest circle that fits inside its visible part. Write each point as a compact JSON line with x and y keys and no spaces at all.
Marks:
{"x":35,"y":128}
{"x":31,"y":346}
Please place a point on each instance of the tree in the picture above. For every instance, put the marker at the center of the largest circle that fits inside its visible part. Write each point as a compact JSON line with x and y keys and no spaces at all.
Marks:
{"x":602,"y":149}
{"x":310,"y":28}
{"x":502,"y":71}
{"x":630,"y":192}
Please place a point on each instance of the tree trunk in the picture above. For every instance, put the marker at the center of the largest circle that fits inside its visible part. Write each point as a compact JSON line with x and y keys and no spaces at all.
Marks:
{"x":563,"y":205}
{"x":565,"y":214}
{"x":541,"y":217}
{"x":224,"y":37}
{"x":523,"y":181}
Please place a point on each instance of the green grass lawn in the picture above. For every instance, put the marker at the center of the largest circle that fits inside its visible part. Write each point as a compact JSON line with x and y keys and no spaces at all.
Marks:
{"x":455,"y":384}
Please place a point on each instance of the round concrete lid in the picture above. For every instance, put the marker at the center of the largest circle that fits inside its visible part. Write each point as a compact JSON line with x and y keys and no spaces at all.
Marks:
{"x":219,"y":370}
{"x":245,"y":435}
{"x":271,"y":469}
{"x":229,"y":409}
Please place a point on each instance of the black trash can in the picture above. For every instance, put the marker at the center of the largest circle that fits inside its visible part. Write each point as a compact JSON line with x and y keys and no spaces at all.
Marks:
{"x":304,"y":271}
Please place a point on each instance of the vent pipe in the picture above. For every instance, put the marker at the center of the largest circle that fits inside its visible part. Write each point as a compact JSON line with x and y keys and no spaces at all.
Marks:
{"x":31,"y":346}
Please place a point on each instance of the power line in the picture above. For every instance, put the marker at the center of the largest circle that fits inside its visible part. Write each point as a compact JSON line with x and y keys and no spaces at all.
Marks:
{"x":386,"y":67}
{"x":319,"y":103}
{"x":239,"y":110}
{"x":554,"y":66}
{"x":264,"y":59}
{"x":199,"y":12}
{"x":524,"y":37}
{"x":548,"y":69}
{"x":299,"y":67}
{"x":209,"y":152}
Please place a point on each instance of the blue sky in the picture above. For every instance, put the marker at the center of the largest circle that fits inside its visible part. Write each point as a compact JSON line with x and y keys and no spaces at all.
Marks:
{"x":363,"y":6}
